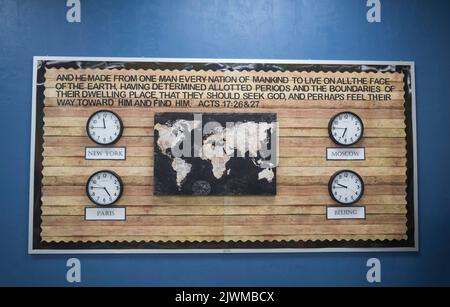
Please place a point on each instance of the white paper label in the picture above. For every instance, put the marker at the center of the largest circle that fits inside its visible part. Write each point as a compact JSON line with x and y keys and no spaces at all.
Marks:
{"x":346,"y":153}
{"x":105,"y":153}
{"x":350,"y":212}
{"x":105,"y":214}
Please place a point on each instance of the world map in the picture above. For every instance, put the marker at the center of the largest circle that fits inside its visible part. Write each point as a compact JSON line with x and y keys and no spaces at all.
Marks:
{"x":185,"y":145}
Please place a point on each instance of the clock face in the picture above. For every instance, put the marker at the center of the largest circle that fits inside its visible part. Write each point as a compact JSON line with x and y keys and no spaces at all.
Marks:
{"x":104,"y":127}
{"x":346,"y":187}
{"x":346,"y":128}
{"x":104,"y":188}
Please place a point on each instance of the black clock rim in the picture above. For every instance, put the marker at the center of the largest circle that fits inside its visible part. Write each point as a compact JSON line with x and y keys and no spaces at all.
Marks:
{"x":120,"y":131}
{"x":330,"y":182}
{"x":118,"y":179}
{"x":330,"y":123}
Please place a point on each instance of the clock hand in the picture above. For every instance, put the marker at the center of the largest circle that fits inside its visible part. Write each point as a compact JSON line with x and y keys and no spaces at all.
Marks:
{"x":107,"y":192}
{"x":352,"y":190}
{"x":344,"y":132}
{"x":104,"y":125}
{"x":344,"y":186}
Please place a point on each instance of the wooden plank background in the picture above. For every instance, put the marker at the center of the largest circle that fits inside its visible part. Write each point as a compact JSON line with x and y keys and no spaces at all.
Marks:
{"x":297,"y":212}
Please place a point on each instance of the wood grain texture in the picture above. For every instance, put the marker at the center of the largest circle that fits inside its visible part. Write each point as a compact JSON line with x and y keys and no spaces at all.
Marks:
{"x":283,"y":132}
{"x":207,"y":238}
{"x":134,"y":161}
{"x":226,"y":201}
{"x":297,"y":212}
{"x":220,"y":209}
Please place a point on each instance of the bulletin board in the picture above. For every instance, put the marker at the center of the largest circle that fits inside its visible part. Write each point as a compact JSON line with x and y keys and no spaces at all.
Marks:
{"x":168,"y":204}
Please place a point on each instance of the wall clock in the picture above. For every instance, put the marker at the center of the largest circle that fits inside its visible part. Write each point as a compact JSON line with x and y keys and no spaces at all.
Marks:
{"x":346,"y":187}
{"x":345,"y":128}
{"x":104,"y":188}
{"x":104,"y":127}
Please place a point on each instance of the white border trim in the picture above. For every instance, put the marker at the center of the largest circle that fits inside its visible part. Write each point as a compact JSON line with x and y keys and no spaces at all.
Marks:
{"x":415,"y":169}
{"x":31,"y":250}
{"x":32,"y":154}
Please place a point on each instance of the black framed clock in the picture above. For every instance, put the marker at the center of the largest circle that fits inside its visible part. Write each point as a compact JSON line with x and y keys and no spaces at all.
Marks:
{"x":346,"y":187}
{"x":346,"y":128}
{"x":104,"y":188}
{"x":104,"y":127}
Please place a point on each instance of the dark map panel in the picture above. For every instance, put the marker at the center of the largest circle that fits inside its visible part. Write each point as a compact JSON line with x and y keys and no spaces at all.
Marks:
{"x":215,"y":153}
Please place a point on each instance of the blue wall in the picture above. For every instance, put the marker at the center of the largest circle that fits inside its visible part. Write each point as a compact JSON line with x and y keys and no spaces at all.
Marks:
{"x":315,"y":29}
